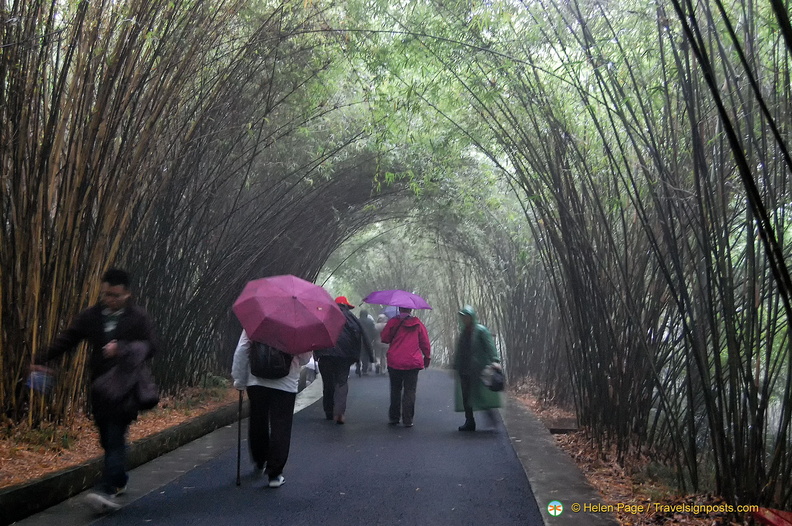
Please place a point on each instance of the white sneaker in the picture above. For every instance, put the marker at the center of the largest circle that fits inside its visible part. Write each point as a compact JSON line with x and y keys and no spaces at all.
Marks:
{"x":101,"y":503}
{"x":277,"y":482}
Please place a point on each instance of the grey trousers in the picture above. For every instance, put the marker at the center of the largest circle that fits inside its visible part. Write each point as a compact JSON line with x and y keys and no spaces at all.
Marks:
{"x":335,"y":377}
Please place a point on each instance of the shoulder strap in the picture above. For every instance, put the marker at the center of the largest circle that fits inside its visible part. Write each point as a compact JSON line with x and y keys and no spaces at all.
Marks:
{"x":400,"y":325}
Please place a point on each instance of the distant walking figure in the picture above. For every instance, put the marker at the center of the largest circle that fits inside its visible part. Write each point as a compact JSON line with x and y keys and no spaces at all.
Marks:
{"x":475,"y":350}
{"x":370,"y":334}
{"x":381,"y":349}
{"x":409,"y":352}
{"x":271,"y":410}
{"x":334,"y":363}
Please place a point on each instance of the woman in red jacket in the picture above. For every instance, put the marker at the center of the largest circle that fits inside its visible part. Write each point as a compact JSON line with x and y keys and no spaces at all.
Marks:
{"x":409,"y":352}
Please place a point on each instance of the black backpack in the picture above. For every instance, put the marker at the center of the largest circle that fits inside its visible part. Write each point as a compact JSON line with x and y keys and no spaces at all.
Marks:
{"x":351,"y":336}
{"x":268,"y":362}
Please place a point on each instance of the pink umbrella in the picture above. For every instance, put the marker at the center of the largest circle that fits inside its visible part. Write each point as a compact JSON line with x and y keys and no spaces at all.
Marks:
{"x":397,"y":298}
{"x":289,"y":313}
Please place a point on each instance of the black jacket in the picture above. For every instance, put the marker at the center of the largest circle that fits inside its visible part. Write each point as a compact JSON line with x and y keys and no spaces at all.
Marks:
{"x":350,"y":341}
{"x":128,"y":386}
{"x":134,"y":325}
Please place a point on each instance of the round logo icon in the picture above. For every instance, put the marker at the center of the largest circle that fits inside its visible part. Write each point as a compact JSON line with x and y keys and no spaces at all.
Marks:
{"x":555,"y":508}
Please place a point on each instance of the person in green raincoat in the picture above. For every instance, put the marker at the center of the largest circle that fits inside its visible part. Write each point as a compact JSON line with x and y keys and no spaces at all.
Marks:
{"x":475,"y":349}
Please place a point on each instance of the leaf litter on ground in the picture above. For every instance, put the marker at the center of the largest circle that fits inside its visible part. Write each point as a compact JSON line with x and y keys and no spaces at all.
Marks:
{"x":624,"y":486}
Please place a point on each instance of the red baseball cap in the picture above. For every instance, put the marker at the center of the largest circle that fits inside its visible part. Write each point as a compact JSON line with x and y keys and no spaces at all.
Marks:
{"x":341,"y":300}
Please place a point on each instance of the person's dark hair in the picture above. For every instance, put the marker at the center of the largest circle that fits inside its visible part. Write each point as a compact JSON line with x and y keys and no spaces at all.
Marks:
{"x":405,"y":309}
{"x":115,"y":277}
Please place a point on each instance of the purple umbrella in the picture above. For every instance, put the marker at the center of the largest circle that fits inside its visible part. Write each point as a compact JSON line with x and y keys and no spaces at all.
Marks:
{"x":390,"y":312}
{"x":289,"y":313}
{"x":397,"y":298}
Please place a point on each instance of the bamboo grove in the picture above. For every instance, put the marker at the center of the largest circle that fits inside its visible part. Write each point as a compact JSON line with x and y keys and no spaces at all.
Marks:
{"x":647,"y":146}
{"x":607,"y":182}
{"x":184,"y":140}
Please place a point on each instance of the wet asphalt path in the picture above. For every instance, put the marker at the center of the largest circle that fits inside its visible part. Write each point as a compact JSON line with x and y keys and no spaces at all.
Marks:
{"x":363,"y":472}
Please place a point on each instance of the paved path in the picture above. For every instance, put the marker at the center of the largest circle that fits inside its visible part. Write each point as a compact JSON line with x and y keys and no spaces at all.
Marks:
{"x":364,"y":472}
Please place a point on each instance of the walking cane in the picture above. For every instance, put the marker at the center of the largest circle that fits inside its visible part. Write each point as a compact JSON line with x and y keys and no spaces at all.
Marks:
{"x":239,"y":442}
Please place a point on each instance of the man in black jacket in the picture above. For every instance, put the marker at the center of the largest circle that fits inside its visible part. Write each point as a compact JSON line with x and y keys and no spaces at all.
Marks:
{"x":334,"y":363}
{"x":115,"y":329}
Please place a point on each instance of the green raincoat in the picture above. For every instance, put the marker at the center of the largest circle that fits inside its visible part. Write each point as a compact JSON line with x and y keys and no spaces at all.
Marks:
{"x":482,"y":348}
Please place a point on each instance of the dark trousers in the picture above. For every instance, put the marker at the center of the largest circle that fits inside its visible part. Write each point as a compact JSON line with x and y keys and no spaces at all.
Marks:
{"x":112,"y":437}
{"x":269,"y":432}
{"x":335,"y":386}
{"x":403,"y":385}
{"x":466,"y":386}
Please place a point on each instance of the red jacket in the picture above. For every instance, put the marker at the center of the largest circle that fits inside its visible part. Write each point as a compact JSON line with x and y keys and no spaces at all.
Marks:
{"x":409,"y":342}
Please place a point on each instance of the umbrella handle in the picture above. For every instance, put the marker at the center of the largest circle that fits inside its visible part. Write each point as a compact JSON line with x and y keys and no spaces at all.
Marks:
{"x":239,"y":443}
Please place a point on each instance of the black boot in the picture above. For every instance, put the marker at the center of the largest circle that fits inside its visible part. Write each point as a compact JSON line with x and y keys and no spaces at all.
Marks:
{"x":470,"y":425}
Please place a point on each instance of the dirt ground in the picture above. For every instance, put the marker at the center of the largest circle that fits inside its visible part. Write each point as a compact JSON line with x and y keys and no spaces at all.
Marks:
{"x":26,"y":455}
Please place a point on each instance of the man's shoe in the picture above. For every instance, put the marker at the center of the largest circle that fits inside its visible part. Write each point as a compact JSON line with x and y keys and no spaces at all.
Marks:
{"x":393,"y":423}
{"x":340,"y":420}
{"x":408,"y":424}
{"x":468,"y":426}
{"x":328,"y":416}
{"x":277,"y":482}
{"x":102,"y":502}
{"x":259,"y":468}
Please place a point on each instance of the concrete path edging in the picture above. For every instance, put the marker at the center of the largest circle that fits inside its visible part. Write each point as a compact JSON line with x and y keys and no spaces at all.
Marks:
{"x":553,"y":475}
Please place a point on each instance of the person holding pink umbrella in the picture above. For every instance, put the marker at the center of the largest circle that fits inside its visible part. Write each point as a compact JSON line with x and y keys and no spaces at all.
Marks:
{"x":271,"y":407}
{"x":284,"y":319}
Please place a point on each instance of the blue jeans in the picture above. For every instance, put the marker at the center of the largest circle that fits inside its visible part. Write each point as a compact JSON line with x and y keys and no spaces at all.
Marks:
{"x":112,"y":437}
